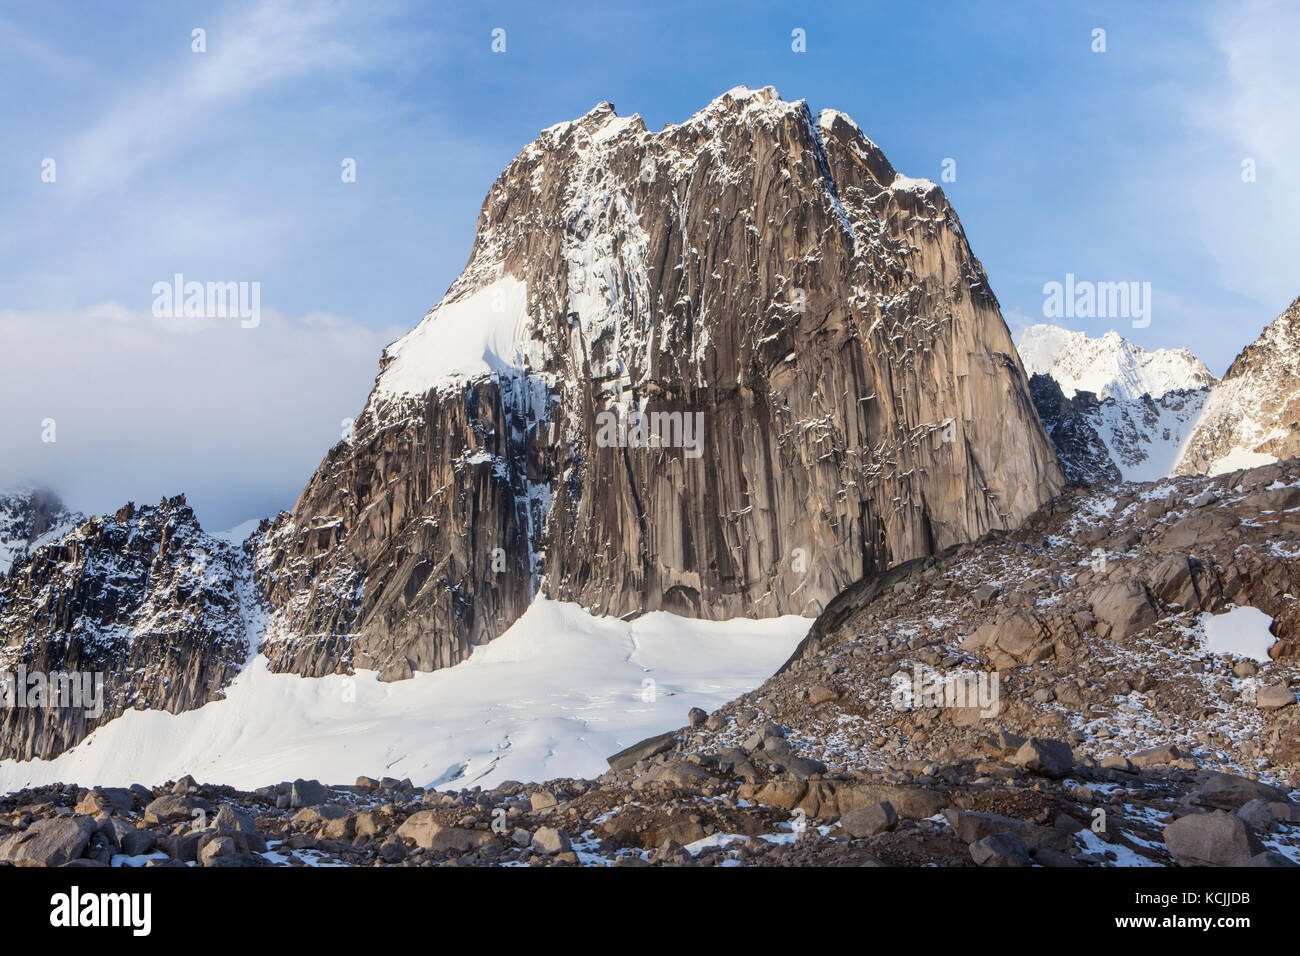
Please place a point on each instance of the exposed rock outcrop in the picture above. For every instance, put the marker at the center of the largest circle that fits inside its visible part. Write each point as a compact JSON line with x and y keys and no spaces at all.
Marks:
{"x":1083,"y":454}
{"x":1105,"y":441}
{"x":1253,"y":415}
{"x":859,"y":400}
{"x":140,"y":609}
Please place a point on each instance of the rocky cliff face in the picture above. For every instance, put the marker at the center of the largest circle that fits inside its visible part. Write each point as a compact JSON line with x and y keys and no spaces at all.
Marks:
{"x":722,"y":369}
{"x":140,"y":609}
{"x":1253,"y":416}
{"x":1083,"y":455}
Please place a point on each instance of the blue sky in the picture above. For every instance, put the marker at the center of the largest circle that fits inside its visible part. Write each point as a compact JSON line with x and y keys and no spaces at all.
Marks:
{"x":1115,"y":166}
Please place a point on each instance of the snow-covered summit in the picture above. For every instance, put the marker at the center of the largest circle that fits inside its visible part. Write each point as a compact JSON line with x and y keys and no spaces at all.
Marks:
{"x":1109,"y":366}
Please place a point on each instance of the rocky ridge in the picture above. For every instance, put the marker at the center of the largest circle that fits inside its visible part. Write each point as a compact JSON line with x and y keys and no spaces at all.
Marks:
{"x":1253,"y":415}
{"x":1103,"y":441}
{"x":162,"y":611}
{"x":1109,"y":366}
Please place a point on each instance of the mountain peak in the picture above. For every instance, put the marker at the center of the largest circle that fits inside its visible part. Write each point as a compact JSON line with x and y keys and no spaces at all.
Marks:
{"x":1109,"y":366}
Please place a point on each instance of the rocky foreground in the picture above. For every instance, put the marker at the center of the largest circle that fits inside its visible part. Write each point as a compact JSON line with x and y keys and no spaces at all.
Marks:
{"x":1019,"y":804}
{"x":1116,"y":737}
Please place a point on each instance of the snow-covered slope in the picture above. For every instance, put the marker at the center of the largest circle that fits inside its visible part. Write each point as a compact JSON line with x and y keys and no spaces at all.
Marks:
{"x":1145,"y":436}
{"x":1253,"y":417}
{"x":1116,"y":439}
{"x":1109,"y":366}
{"x":1122,"y":413}
{"x":554,"y":696}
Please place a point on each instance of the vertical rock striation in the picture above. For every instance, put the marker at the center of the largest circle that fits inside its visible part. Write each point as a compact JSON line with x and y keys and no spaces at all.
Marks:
{"x":758,"y":269}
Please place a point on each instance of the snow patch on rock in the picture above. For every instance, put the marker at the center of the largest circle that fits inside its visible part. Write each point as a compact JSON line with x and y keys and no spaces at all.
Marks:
{"x":1241,"y":631}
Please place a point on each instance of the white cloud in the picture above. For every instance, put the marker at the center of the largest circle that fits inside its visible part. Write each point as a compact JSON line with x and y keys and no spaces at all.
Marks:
{"x":144,"y":407}
{"x":269,"y":43}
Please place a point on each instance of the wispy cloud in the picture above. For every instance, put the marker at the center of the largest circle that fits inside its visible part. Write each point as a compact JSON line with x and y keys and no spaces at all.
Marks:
{"x":271,"y":43}
{"x":1250,"y":228}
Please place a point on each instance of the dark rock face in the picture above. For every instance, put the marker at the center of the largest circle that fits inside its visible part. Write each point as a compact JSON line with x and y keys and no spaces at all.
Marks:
{"x":143,"y":598}
{"x":1083,"y":455}
{"x":859,"y":398}
{"x":26,"y":516}
{"x":1108,"y":440}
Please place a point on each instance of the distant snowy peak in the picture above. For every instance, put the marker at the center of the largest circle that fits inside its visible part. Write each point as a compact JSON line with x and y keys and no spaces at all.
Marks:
{"x":1109,"y":366}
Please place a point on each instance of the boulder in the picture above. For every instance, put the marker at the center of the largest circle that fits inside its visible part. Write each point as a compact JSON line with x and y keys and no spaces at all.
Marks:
{"x":1198,"y":531}
{"x":239,"y":825}
{"x":311,"y":816}
{"x":218,"y":846}
{"x":1230,"y":792}
{"x":340,"y":828}
{"x":458,"y":840}
{"x":1123,"y":606}
{"x":177,"y":807}
{"x":821,"y":694}
{"x":1257,"y":815}
{"x":1045,"y":757}
{"x":420,"y":828}
{"x":306,"y":793}
{"x":782,"y":793}
{"x":106,"y":800}
{"x":909,"y":802}
{"x":53,"y":841}
{"x":136,"y":842}
{"x":971,"y":827}
{"x":643,"y":750}
{"x":550,"y":841}
{"x":1274,"y":697}
{"x":1211,"y":839}
{"x":869,"y":820}
{"x":1154,"y":756}
{"x":1016,"y":637}
{"x":681,"y":774}
{"x":1172,"y":581}
{"x":1000,"y":849}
